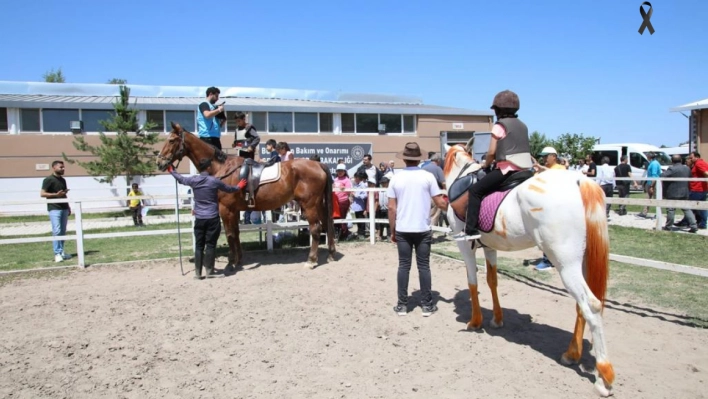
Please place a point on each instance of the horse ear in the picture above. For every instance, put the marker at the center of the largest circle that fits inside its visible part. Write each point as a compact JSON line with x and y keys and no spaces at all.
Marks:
{"x":175,"y":126}
{"x":469,"y":147}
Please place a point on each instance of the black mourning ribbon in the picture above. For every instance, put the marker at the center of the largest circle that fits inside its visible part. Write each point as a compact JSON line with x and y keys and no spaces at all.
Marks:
{"x":646,"y":23}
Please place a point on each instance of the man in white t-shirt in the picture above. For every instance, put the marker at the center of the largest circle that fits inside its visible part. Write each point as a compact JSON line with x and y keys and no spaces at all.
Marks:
{"x":409,"y":194}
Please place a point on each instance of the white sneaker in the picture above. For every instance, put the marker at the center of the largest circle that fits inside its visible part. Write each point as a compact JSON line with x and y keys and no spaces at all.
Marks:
{"x":58,"y":258}
{"x":65,"y":256}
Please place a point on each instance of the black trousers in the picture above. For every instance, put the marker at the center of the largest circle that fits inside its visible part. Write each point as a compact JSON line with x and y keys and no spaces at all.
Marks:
{"x":137,"y":214}
{"x":206,"y":233}
{"x":609,"y":193}
{"x":623,"y":192}
{"x":406,"y":243}
{"x":215,"y":141}
{"x":482,"y":187}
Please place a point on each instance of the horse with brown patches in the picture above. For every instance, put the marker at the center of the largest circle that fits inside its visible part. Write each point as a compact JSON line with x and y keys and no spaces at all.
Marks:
{"x":307,"y":182}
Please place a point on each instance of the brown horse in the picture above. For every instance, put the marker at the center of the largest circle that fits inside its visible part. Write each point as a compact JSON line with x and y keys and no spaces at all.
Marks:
{"x":307,"y":182}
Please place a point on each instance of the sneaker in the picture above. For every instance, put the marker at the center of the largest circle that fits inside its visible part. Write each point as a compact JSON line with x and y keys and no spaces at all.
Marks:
{"x":428,"y":310}
{"x":462,"y":236}
{"x":543,"y":265}
{"x":65,"y":256}
{"x":401,"y":310}
{"x":693,"y":230}
{"x":58,"y":258}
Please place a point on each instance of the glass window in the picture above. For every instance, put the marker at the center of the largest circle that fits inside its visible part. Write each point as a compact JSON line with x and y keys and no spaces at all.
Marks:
{"x":186,"y":119}
{"x":258,"y":120}
{"x":29,"y":120}
{"x":306,"y":122}
{"x":408,"y":124}
{"x":92,"y":119}
{"x":660,"y":157}
{"x":3,"y":119}
{"x":58,"y":120}
{"x":280,"y":122}
{"x":326,"y":123}
{"x":392,"y":122}
{"x":158,"y":119}
{"x":611,"y":154}
{"x":348,"y":123}
{"x":636,"y":160}
{"x":367,"y":123}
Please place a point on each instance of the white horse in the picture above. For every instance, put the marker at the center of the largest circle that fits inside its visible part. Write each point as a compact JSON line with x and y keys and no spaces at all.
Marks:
{"x":562,"y":213}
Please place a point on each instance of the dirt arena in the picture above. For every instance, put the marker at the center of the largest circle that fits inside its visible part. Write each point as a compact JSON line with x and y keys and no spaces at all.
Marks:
{"x":277,"y":330}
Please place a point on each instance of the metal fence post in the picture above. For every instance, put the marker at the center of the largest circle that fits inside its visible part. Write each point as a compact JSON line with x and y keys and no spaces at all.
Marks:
{"x":79,"y":234}
{"x":659,"y":197}
{"x":372,"y":215}
{"x":269,"y":231}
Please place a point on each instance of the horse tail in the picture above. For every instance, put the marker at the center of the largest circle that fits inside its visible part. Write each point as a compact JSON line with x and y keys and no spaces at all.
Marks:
{"x":328,"y":220}
{"x":597,"y":241}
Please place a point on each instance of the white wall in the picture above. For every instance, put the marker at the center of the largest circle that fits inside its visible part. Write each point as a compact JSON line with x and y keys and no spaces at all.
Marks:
{"x":27,"y":189}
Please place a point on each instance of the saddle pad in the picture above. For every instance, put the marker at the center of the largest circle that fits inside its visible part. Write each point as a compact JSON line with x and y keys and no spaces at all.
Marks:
{"x":489,"y":208}
{"x":270,"y":174}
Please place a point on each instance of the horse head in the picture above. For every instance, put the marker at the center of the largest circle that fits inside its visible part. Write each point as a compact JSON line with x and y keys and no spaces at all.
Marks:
{"x":174,"y":149}
{"x":459,"y":162}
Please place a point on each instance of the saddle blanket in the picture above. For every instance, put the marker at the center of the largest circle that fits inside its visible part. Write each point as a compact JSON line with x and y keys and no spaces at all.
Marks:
{"x":489,"y":208}
{"x":270,"y":174}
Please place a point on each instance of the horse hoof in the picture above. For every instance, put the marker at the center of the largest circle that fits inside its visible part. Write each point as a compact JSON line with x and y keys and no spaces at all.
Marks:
{"x":494,"y":324}
{"x":310,"y":265}
{"x":473,"y":327}
{"x":330,"y":258}
{"x":601,"y":388}
{"x":567,"y":360}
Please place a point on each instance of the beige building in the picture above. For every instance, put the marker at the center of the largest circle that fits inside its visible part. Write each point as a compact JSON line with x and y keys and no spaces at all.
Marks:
{"x":697,"y":125}
{"x":36,"y":120}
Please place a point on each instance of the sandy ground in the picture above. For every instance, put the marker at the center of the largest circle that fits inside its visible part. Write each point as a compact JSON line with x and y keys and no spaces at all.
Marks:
{"x":277,"y":330}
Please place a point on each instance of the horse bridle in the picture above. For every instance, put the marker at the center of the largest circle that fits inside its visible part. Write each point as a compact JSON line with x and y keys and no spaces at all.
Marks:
{"x":179,"y":154}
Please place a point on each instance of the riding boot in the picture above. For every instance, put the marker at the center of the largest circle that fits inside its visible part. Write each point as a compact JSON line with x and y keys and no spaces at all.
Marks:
{"x":252,"y":197}
{"x":209,"y":260}
{"x":198,"y":261}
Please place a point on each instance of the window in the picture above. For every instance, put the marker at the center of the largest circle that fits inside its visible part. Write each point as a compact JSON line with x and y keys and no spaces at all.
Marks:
{"x":58,"y":120}
{"x":326,"y":123}
{"x":258,"y":120}
{"x":392,"y":122}
{"x":280,"y":122}
{"x":611,"y":154}
{"x":29,"y":120}
{"x":305,"y":122}
{"x":636,"y":160}
{"x":3,"y":120}
{"x":186,"y":119}
{"x":408,"y":124}
{"x":158,"y":119}
{"x":92,"y":119}
{"x":660,"y":157}
{"x":348,"y":123}
{"x":367,"y":123}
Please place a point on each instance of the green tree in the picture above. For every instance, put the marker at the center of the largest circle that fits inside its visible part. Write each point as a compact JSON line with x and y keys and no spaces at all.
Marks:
{"x":537,"y":142}
{"x":116,"y":81}
{"x":575,"y":146}
{"x":54,"y":76}
{"x":129,"y":153}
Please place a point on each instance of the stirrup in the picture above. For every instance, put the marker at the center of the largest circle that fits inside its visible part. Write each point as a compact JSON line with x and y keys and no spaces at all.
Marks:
{"x":462,"y":236}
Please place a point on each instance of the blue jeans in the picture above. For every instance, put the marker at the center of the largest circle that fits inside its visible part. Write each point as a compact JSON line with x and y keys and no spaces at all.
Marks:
{"x":58,"y":218}
{"x":701,"y":215}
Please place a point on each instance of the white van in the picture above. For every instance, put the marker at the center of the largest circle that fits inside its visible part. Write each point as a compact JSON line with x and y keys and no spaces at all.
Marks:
{"x":682,"y":150}
{"x":637,"y":154}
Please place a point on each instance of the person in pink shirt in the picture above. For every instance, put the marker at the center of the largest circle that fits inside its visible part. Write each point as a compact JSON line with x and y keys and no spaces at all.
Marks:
{"x":341,"y":182}
{"x":284,"y":150}
{"x":509,"y":149}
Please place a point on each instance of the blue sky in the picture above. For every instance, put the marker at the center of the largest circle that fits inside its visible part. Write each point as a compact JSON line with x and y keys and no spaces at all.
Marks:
{"x":578,"y":66}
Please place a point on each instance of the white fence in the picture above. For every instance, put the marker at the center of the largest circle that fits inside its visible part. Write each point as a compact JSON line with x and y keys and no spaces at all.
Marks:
{"x":269,"y":226}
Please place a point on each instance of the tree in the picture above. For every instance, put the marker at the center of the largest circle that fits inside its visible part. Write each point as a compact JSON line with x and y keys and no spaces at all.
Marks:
{"x":128,"y":153}
{"x":54,"y":77}
{"x":537,"y":142}
{"x":574,"y":146}
{"x":116,"y":81}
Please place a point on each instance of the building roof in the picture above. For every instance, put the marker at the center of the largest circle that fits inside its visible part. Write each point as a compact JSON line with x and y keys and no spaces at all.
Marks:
{"x":702,"y":104}
{"x":101,"y":96}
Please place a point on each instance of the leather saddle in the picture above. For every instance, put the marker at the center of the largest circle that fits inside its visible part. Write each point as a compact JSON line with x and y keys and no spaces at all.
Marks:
{"x":251,"y":171}
{"x":458,"y":192}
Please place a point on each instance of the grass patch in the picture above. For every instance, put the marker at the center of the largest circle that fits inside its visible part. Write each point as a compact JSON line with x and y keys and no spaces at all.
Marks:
{"x":126,"y":213}
{"x":683,"y":249}
{"x":510,"y":267}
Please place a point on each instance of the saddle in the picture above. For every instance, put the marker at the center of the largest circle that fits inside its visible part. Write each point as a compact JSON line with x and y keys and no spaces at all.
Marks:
{"x":458,"y":194}
{"x":254,"y":174}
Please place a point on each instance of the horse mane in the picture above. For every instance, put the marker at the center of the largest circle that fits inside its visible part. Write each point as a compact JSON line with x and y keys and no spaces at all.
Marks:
{"x":450,"y":157}
{"x":220,"y":156}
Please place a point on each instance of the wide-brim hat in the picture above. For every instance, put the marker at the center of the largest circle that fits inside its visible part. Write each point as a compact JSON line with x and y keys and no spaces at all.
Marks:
{"x":411,"y":152}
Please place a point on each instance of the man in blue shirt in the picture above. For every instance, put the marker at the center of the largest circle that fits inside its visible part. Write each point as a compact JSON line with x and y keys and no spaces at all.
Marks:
{"x":207,"y":225}
{"x":653,"y":170}
{"x":210,"y":118}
